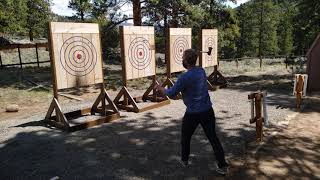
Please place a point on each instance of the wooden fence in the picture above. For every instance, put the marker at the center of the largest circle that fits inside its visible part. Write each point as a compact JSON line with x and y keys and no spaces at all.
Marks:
{"x":287,"y":60}
{"x":23,"y":46}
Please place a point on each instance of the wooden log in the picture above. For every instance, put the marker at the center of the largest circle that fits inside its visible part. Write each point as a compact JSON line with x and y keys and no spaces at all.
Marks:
{"x":12,"y":108}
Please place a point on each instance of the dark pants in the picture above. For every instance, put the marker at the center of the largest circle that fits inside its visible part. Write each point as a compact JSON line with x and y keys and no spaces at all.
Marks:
{"x":190,"y":123}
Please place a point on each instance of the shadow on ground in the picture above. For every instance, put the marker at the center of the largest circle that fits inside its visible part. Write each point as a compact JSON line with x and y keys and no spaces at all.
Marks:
{"x":293,"y":153}
{"x":143,"y":148}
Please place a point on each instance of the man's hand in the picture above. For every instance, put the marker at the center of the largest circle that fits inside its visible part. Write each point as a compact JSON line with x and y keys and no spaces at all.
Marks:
{"x":161,"y":90}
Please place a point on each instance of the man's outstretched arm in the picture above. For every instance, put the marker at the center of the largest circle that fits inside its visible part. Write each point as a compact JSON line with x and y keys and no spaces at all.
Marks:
{"x":174,"y":90}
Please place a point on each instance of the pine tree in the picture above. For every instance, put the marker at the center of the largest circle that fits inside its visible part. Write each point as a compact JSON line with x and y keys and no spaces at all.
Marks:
{"x":82,"y":7}
{"x":37,"y":17}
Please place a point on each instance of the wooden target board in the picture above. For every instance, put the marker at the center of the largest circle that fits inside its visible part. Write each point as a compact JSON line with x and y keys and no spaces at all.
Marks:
{"x":75,"y":54}
{"x":209,"y":39}
{"x":179,"y":40}
{"x":137,"y":51}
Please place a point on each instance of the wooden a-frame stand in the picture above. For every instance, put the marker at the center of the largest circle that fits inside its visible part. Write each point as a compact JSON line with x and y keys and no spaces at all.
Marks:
{"x":130,"y":103}
{"x":216,"y":79}
{"x":68,"y":121}
{"x":211,"y":87}
{"x":169,"y":83}
{"x":65,"y":120}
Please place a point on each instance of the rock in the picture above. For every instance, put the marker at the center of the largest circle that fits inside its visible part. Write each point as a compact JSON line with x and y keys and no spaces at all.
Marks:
{"x":12,"y":108}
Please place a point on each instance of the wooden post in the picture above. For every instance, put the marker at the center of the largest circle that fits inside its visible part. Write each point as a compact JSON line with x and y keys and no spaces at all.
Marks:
{"x":258,"y":119}
{"x":37,"y":55}
{"x":237,"y":62}
{"x":20,"y":56}
{"x":1,"y":66}
{"x":123,"y":61}
{"x":299,"y":90}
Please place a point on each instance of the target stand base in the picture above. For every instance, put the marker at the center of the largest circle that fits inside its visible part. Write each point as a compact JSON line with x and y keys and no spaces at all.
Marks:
{"x":83,"y":118}
{"x":217,"y":80}
{"x":130,"y":103}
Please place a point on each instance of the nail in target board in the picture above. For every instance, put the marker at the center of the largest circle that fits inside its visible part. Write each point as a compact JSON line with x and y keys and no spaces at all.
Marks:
{"x":209,"y":39}
{"x":75,"y":53}
{"x":179,"y":40}
{"x":138,"y":61}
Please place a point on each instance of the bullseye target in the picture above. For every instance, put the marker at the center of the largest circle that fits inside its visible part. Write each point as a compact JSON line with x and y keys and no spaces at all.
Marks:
{"x":179,"y":40}
{"x":140,"y":53}
{"x":75,"y":54}
{"x":209,"y":39}
{"x":137,"y":51}
{"x":78,"y":56}
{"x":179,"y":46}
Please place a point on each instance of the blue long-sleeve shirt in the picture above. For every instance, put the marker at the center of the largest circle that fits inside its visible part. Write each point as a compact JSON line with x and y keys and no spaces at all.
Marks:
{"x":194,"y":89}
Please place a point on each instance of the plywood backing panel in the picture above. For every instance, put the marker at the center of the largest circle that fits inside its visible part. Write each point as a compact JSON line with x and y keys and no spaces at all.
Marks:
{"x":76,"y":55}
{"x":179,"y":41}
{"x":138,"y":51}
{"x":209,"y":38}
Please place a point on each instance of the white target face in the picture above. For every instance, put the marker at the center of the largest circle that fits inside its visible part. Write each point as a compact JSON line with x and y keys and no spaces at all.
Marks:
{"x":179,"y":41}
{"x":137,"y":50}
{"x":209,"y":39}
{"x":179,"y":46}
{"x":140,"y":53}
{"x":75,"y":54}
{"x":78,"y":56}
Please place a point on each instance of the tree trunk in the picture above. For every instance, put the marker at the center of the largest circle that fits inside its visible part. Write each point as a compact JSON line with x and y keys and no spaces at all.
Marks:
{"x":261,"y":33}
{"x":174,"y":23}
{"x":165,"y":32}
{"x":31,"y":34}
{"x":82,"y":15}
{"x":136,"y":12}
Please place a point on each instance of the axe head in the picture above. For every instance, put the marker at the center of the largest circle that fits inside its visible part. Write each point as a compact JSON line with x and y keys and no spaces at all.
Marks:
{"x":209,"y":51}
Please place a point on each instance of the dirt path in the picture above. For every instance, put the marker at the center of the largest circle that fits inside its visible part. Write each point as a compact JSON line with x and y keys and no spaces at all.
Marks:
{"x":293,"y":153}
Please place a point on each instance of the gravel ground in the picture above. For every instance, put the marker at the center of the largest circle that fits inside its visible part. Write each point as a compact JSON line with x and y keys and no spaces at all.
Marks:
{"x":138,"y":146}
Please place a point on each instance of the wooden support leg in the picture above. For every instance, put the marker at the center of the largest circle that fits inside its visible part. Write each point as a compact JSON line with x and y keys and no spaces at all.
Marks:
{"x":125,"y":93}
{"x":102,"y":98}
{"x":216,"y":78}
{"x":60,"y":119}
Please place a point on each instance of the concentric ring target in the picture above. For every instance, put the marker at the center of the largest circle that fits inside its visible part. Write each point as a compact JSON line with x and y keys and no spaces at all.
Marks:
{"x":78,"y":56}
{"x":140,"y":53}
{"x":209,"y":43}
{"x":179,"y":46}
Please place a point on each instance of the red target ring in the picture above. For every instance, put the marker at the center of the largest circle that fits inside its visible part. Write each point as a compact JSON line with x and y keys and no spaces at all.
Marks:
{"x":179,"y":46}
{"x":78,"y":56}
{"x":139,"y":53}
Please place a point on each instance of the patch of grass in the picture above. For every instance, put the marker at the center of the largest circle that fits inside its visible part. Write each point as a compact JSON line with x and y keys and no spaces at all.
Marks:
{"x":24,"y":98}
{"x":27,"y":55}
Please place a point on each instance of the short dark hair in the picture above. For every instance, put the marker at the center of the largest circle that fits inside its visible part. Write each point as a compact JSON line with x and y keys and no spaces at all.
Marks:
{"x":191,"y":56}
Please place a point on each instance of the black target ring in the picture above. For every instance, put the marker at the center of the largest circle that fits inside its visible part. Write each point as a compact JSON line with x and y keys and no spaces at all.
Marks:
{"x":140,"y":53}
{"x":78,"y":56}
{"x":209,"y":43}
{"x":179,"y":46}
